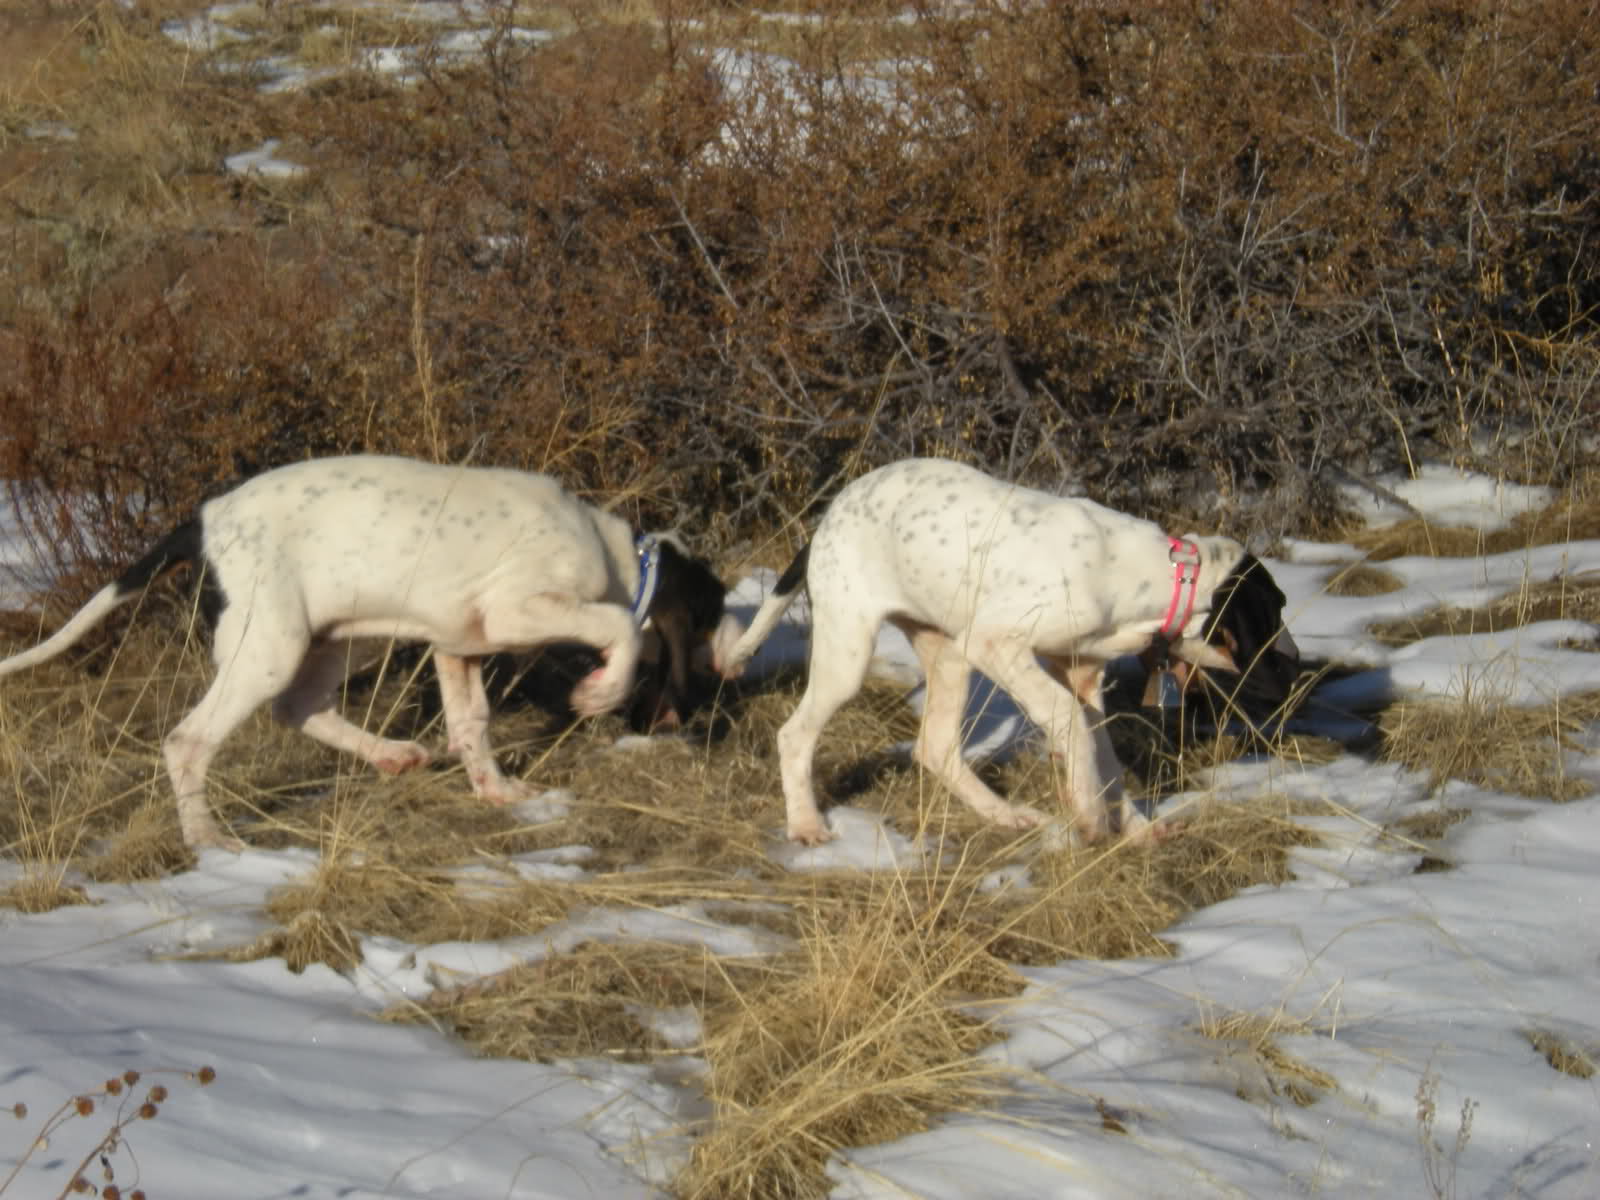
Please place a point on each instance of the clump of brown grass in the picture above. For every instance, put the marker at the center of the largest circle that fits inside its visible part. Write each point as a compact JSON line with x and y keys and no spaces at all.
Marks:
{"x":1114,"y":902}
{"x":1430,"y":825}
{"x":594,"y":999}
{"x":1258,"y":1035}
{"x":351,"y":892}
{"x":147,"y":846}
{"x":307,"y":937}
{"x":40,"y":890}
{"x":1361,"y":579}
{"x":1415,"y":831}
{"x":1554,"y":600}
{"x":1491,"y":743}
{"x":1564,"y":1053}
{"x":853,"y":1040}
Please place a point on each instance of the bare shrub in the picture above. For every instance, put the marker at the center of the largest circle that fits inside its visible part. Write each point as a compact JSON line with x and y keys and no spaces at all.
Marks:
{"x":1183,"y":258}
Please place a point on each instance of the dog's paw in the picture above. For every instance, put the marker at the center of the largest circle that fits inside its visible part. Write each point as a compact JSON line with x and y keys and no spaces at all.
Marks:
{"x":396,"y":758}
{"x":1018,"y":816}
{"x":811,"y":833}
{"x":1152,"y":833}
{"x":597,"y":693}
{"x":722,"y":645}
{"x":494,"y":788}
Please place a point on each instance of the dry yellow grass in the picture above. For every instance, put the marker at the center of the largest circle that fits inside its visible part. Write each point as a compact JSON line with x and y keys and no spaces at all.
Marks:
{"x":853,"y":1040}
{"x":596,"y":999}
{"x":41,"y":889}
{"x":1261,"y":1037}
{"x":1564,"y":1054}
{"x":1360,"y":579}
{"x":1490,"y":743}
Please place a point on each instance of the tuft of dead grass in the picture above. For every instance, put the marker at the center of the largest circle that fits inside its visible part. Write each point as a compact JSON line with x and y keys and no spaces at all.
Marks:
{"x":349,"y":894}
{"x":1492,"y":744}
{"x":41,"y":890}
{"x":1430,"y":825}
{"x":1362,"y":579}
{"x":1556,"y":600}
{"x":854,"y":1040}
{"x":1564,"y":1053}
{"x":596,"y":999}
{"x":1260,"y":1036}
{"x":1115,"y":902}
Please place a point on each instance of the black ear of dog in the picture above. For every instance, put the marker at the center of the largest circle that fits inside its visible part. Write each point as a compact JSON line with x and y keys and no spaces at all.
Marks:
{"x":1246,"y":615}
{"x":690,"y":586}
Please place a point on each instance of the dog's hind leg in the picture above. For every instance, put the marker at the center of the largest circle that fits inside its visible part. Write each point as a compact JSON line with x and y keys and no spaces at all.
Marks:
{"x":938,"y":746}
{"x":840,"y":656}
{"x":466,"y":718}
{"x":309,"y":705}
{"x":256,"y":660}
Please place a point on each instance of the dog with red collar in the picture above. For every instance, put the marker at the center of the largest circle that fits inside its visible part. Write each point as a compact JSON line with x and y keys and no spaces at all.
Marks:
{"x":1038,"y":592}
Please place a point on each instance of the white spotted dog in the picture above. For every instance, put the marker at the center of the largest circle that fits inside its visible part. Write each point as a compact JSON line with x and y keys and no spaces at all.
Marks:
{"x":473,"y":560}
{"x":1035,"y":591}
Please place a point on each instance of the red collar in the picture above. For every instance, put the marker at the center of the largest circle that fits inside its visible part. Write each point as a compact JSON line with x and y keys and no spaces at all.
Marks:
{"x":1185,"y":558}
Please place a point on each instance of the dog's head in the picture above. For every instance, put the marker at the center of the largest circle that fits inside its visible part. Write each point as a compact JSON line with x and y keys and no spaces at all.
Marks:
{"x":1247,"y":621}
{"x":1243,"y":636}
{"x":687,"y":629}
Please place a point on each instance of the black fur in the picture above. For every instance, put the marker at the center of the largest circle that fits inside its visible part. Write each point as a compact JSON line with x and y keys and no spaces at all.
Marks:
{"x":795,"y":573}
{"x":183,"y":545}
{"x":180,"y":546}
{"x":689,"y":600}
{"x":1246,"y":613}
{"x":691,"y":586}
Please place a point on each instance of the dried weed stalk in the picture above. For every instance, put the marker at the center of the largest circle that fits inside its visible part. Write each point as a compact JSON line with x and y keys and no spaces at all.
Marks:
{"x":124,"y":1110}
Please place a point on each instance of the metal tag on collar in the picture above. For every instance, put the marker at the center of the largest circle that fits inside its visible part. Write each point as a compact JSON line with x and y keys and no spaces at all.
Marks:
{"x":649,"y":548}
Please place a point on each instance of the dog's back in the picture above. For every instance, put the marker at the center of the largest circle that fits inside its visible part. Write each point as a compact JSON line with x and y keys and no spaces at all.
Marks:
{"x":948,"y":546}
{"x":368,"y":537}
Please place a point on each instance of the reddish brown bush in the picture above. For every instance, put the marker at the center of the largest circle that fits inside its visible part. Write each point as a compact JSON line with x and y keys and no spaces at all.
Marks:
{"x":1183,"y":256}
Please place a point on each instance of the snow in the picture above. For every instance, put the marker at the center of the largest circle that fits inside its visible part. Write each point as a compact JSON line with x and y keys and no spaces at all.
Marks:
{"x":264,"y":162}
{"x":1451,"y":497}
{"x":1397,"y":985}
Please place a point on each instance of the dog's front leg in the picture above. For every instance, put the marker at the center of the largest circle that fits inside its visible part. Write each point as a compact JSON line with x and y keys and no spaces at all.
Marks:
{"x":1057,"y":710}
{"x":557,"y":617}
{"x":938,"y":745}
{"x":1093,"y":768}
{"x":466,"y":720}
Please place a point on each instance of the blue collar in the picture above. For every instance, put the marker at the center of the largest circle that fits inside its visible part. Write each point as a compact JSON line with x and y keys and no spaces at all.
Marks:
{"x":649,"y":548}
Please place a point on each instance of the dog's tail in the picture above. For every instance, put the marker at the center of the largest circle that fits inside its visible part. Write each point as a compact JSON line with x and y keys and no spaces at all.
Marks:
{"x":768,"y":615}
{"x":180,"y":546}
